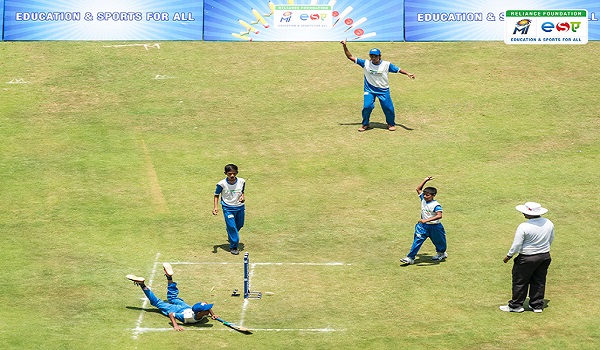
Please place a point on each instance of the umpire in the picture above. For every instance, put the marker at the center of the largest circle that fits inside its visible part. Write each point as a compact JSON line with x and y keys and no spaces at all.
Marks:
{"x":532,"y":242}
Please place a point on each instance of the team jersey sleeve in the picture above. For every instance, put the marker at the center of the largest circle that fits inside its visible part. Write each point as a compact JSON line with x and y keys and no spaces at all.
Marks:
{"x":437,"y":208}
{"x":179,"y":316}
{"x":421,"y":196}
{"x":394,"y":69}
{"x":218,"y":190}
{"x":360,"y":62}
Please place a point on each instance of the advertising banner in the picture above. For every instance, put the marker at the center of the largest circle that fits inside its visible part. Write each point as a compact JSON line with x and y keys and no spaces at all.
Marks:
{"x":435,"y":20}
{"x":103,"y":20}
{"x":546,"y":27}
{"x":1,"y":19}
{"x":303,"y":20}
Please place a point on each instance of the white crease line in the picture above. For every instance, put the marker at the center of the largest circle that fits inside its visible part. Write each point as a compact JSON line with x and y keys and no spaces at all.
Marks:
{"x":262,"y":263}
{"x":305,"y":263}
{"x":324,"y":330}
{"x":141,"y":330}
{"x":244,"y":306}
{"x":136,"y":331}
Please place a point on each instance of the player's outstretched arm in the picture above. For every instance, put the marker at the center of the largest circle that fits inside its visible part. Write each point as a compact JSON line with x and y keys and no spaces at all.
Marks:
{"x":212,"y":314}
{"x":410,"y":75}
{"x":176,"y":326}
{"x":347,"y":52}
{"x":422,"y":184}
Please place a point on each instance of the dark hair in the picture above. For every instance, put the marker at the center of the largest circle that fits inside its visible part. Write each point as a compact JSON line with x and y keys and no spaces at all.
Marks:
{"x":230,"y":168}
{"x":431,"y":190}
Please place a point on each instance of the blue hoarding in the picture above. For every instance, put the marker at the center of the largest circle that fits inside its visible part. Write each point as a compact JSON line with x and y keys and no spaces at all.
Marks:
{"x":1,"y":18}
{"x":103,"y":20}
{"x":434,"y":20}
{"x":303,"y":20}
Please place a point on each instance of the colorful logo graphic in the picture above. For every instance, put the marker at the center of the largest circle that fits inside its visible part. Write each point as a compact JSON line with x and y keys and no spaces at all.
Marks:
{"x":285,"y":17}
{"x":546,"y":27}
{"x":304,"y":20}
{"x":522,"y":26}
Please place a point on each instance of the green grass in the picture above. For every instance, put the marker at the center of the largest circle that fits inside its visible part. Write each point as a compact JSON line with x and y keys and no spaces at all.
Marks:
{"x":102,"y":167}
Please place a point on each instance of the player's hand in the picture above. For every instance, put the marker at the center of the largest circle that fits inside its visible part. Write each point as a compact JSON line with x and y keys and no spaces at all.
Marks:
{"x":506,"y":259}
{"x":410,"y":75}
{"x":214,"y":317}
{"x":343,"y":42}
{"x":429,"y":178}
{"x":215,"y":211}
{"x":242,"y":199}
{"x":177,"y":327}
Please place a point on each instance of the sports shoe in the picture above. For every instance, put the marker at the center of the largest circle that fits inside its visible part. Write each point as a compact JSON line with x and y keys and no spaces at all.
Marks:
{"x":391,"y":127}
{"x":439,"y":256}
{"x":136,"y":280}
{"x":168,"y":270}
{"x":537,"y":311}
{"x":363,"y":128}
{"x":507,"y":308}
{"x":407,"y":260}
{"x":234,"y":251}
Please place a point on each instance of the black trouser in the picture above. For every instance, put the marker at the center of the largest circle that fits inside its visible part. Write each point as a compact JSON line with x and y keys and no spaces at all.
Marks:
{"x":529,"y":272}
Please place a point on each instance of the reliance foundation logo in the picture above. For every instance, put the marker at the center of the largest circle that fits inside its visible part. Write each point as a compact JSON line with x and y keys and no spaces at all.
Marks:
{"x":546,"y":27}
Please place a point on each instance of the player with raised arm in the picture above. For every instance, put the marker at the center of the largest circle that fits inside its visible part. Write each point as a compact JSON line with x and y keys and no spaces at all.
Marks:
{"x":376,"y":85}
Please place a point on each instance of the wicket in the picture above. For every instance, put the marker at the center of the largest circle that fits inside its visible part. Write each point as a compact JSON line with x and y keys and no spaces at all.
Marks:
{"x":248,"y":294}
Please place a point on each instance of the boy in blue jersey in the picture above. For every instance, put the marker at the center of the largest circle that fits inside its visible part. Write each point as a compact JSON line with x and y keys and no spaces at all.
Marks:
{"x":175,"y":308}
{"x":231,"y":190}
{"x":376,"y":85}
{"x":429,"y":226}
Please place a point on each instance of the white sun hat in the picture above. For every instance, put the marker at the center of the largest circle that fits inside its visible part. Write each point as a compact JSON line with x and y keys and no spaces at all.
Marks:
{"x":531,"y":208}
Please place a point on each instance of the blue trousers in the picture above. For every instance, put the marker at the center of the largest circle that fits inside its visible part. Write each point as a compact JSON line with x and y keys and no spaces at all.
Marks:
{"x":435,"y":232}
{"x":385,"y":100}
{"x":174,"y":304}
{"x":234,"y":221}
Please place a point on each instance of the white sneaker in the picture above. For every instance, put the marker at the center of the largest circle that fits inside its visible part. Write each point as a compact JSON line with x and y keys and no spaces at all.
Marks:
{"x":136,"y":280}
{"x":168,"y":269}
{"x":507,"y":308}
{"x":407,"y":260}
{"x":537,"y":311}
{"x":439,"y":256}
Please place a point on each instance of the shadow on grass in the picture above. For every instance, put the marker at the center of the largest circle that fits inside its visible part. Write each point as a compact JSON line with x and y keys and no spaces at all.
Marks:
{"x":153,"y":310}
{"x":424,"y":260}
{"x":225,"y":247}
{"x":527,"y":307}
{"x":377,"y":125}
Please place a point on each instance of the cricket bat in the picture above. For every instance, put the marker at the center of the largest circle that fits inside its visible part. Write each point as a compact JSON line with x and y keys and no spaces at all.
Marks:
{"x":234,"y":326}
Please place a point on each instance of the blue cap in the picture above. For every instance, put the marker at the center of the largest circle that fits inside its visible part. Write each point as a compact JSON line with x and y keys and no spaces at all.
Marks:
{"x":375,"y":52}
{"x":201,"y":307}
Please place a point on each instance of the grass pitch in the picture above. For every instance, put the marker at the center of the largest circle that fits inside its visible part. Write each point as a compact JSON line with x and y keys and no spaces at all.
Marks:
{"x":110,"y":155}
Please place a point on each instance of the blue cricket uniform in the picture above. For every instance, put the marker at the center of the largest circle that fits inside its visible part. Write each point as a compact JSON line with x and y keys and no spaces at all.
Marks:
{"x":376,"y":85}
{"x":233,"y":210}
{"x":433,"y":230}
{"x":182,"y":311}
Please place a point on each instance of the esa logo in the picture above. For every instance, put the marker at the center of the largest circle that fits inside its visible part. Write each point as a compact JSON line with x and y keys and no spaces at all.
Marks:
{"x":561,"y":27}
{"x":313,"y":16}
